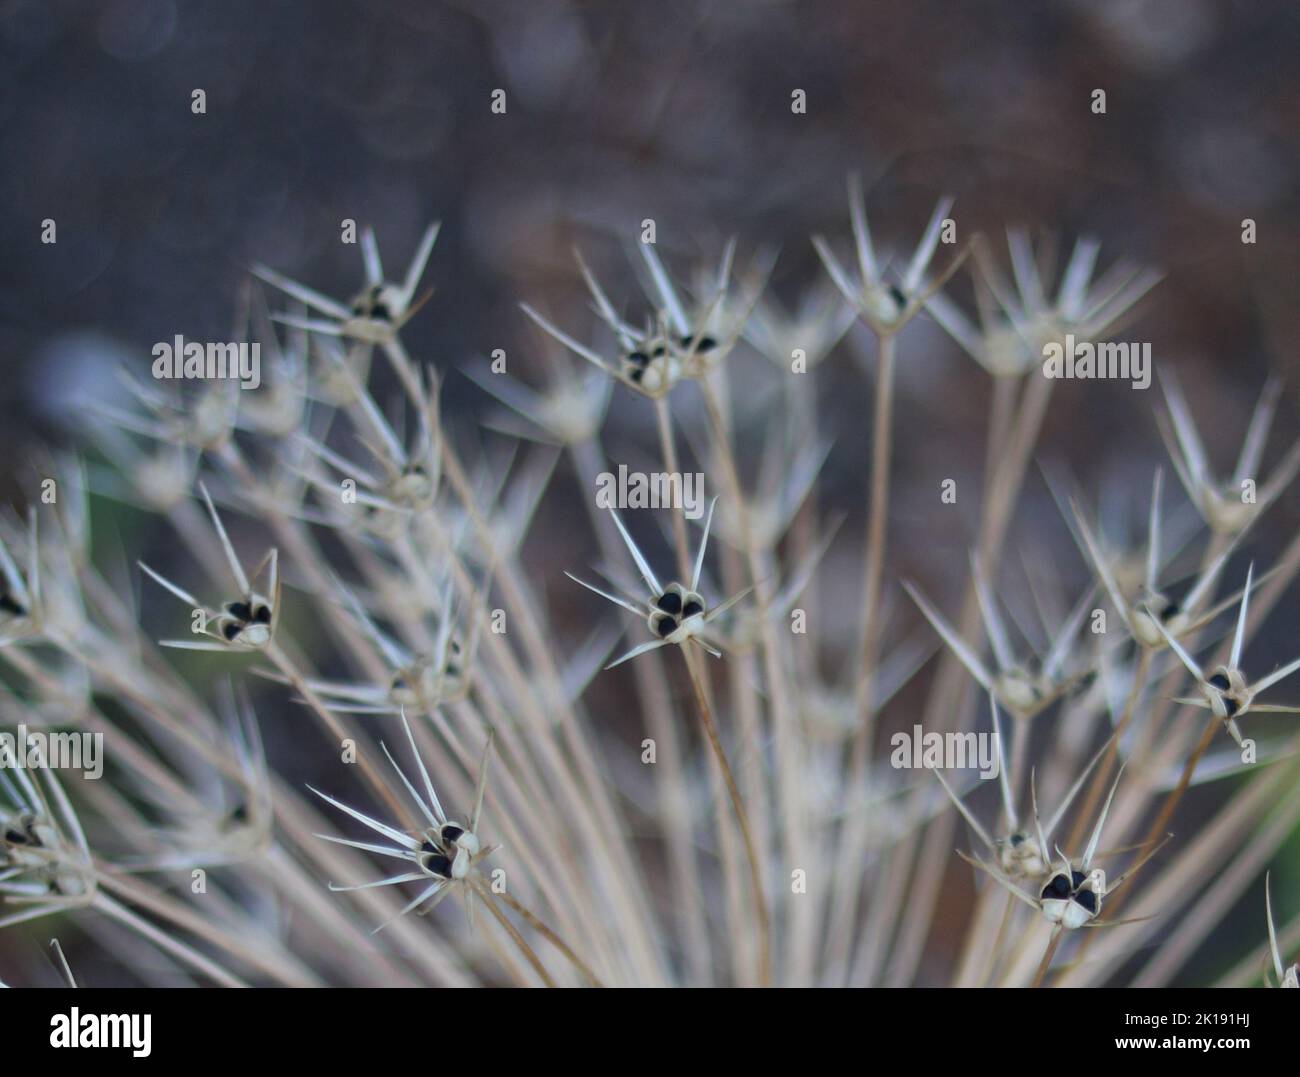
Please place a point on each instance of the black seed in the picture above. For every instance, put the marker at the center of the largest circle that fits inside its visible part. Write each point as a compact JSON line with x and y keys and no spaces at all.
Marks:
{"x":451,"y":833}
{"x":381,"y":313}
{"x":1172,"y":609}
{"x":230,"y":630}
{"x":359,"y":309}
{"x":1058,"y":887}
{"x":262,"y":615}
{"x":665,"y":626}
{"x":640,"y":358}
{"x":670,"y":602}
{"x":438,"y":864}
{"x":1231,"y":705}
{"x":636,"y":375}
{"x":239,"y":814}
{"x":451,"y":669}
{"x":1087,"y":899}
{"x":1220,"y":682}
{"x":455,"y":647}
{"x":429,"y":847}
{"x":1017,"y":840}
{"x":704,"y":344}
{"x":242,"y":610}
{"x":692,"y":608}
{"x":16,"y":837}
{"x":659,"y":352}
{"x":399,"y":681}
{"x":1079,"y":879}
{"x":10,"y":605}
{"x":897,"y":294}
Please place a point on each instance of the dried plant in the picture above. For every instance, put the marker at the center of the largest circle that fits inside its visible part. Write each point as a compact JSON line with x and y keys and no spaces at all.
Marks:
{"x":724,"y":809}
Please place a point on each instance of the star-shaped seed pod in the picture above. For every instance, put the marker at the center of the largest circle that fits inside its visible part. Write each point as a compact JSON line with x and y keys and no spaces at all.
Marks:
{"x":809,"y":332}
{"x":1226,"y":692}
{"x":444,"y":855}
{"x":376,"y":313}
{"x":568,"y":411}
{"x":1021,"y":854}
{"x":675,"y":614}
{"x":1152,"y":615}
{"x":399,"y":481}
{"x":676,"y":341}
{"x":1073,"y":894}
{"x":887,"y":302}
{"x":1228,"y":507}
{"x":232,"y":822}
{"x":1082,"y":308}
{"x":248,"y":622}
{"x":202,"y":420}
{"x":1024,"y":691}
{"x":45,"y":863}
{"x":441,"y":676}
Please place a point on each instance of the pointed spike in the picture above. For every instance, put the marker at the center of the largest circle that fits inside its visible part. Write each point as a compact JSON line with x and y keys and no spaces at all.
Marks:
{"x":1091,"y":851}
{"x":482,"y":786}
{"x":416,"y":269}
{"x":992,"y":621}
{"x":704,"y":542}
{"x":1153,"y":535}
{"x":635,"y":652}
{"x":606,"y":595}
{"x":424,"y":808}
{"x":1038,"y":826}
{"x":1004,"y":777}
{"x":1187,"y":660}
{"x":1272,"y":931}
{"x":424,"y":773}
{"x":1239,"y":637}
{"x":958,"y":646}
{"x":1277,"y":675}
{"x":642,"y":565}
{"x":966,"y":814}
{"x":236,"y":569}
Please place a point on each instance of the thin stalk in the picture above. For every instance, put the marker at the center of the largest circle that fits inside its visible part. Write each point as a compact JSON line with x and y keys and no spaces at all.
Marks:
{"x":1048,"y":954}
{"x":1101,"y":779}
{"x":336,"y":729}
{"x":529,"y":954}
{"x":552,"y":938}
{"x":733,"y":790}
{"x":188,"y":955}
{"x":877,"y":519}
{"x":1160,"y":824}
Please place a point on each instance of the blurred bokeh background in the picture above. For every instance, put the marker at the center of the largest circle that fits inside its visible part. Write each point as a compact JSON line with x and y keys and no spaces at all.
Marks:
{"x":379,"y":111}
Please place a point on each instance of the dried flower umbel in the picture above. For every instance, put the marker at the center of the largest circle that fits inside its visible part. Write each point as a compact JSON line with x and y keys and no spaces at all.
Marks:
{"x":425,"y":559}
